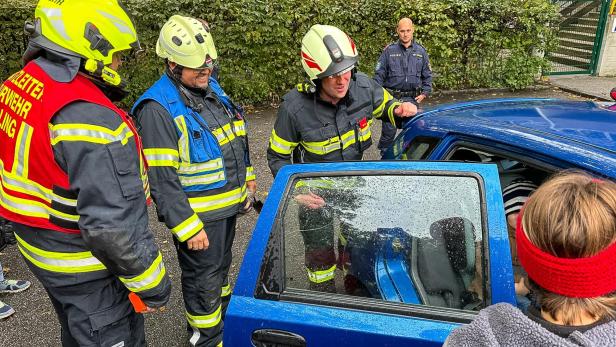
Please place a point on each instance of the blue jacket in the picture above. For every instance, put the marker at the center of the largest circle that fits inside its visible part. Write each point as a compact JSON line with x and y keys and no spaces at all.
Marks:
{"x":200,"y":145}
{"x":404,"y":68}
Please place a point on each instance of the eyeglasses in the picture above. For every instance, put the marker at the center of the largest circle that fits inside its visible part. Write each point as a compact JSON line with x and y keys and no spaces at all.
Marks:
{"x":201,"y":71}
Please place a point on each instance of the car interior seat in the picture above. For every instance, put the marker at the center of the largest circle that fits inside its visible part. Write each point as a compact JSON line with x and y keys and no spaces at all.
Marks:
{"x":443,"y":265}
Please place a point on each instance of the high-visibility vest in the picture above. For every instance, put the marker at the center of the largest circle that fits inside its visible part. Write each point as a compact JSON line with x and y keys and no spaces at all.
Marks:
{"x":34,"y":190}
{"x":201,"y":165}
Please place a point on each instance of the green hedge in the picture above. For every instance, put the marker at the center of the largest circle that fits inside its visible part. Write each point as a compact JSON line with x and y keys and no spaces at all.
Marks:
{"x":472,"y":43}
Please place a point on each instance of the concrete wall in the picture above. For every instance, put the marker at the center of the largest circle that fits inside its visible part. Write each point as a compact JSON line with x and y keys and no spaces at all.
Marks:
{"x":607,"y":59}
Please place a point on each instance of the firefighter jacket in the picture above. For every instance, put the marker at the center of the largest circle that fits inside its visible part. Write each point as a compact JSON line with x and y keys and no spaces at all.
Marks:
{"x":312,"y":130}
{"x":197,"y":156}
{"x":73,"y":179}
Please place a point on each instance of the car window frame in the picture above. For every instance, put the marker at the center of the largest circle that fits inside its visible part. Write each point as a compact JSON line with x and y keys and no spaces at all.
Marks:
{"x":433,"y":142}
{"x":536,"y":160}
{"x":376,"y":306}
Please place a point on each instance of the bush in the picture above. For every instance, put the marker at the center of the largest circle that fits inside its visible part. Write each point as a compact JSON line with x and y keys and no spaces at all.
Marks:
{"x":472,"y":43}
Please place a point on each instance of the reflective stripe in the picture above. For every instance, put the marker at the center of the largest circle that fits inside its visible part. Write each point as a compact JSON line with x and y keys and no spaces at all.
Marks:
{"x":23,"y":185}
{"x":31,"y":208}
{"x":218,"y":201}
{"x":330,"y":145}
{"x":390,"y":112}
{"x":202,"y":179}
{"x":322,"y":275}
{"x":189,"y":169}
{"x":59,"y":262}
{"x":280,"y":145}
{"x":183,"y":142}
{"x":22,"y":150}
{"x":89,"y":133}
{"x":240,"y":128}
{"x":378,"y":112}
{"x":225,"y":290}
{"x":188,"y":228}
{"x":150,"y":278}
{"x":226,"y":134}
{"x":162,"y":157}
{"x":195,"y":337}
{"x":206,"y":321}
{"x":250,"y":173}
{"x":365,"y":133}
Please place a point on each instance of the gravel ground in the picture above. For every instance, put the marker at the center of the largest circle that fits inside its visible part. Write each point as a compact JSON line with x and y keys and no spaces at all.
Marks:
{"x":35,"y":323}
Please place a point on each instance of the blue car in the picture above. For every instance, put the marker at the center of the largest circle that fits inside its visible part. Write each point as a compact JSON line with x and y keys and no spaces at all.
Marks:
{"x":420,"y":238}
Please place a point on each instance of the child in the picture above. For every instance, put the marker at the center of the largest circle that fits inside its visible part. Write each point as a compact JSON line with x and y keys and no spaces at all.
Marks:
{"x":566,"y":242}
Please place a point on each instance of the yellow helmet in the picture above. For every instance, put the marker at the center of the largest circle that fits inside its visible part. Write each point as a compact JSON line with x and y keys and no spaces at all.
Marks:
{"x":187,"y":42}
{"x":91,"y":29}
{"x":326,"y":51}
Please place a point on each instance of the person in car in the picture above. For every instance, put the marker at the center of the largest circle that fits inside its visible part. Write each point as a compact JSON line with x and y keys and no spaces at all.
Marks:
{"x":566,"y":242}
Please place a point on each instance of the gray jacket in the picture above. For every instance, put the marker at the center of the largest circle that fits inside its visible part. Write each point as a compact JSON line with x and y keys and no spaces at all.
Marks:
{"x":505,"y":325}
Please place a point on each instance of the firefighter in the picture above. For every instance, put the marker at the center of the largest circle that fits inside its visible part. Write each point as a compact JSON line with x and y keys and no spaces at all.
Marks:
{"x":327,"y":120}
{"x":73,"y":177}
{"x":195,"y":141}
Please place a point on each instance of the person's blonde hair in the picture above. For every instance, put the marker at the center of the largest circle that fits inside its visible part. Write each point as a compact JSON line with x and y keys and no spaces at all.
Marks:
{"x":572,"y":215}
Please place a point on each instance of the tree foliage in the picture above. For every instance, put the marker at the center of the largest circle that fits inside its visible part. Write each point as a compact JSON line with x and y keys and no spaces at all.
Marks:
{"x":472,"y":43}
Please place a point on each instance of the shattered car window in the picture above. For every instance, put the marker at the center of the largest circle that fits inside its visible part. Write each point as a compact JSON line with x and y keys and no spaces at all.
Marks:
{"x":413,"y":239}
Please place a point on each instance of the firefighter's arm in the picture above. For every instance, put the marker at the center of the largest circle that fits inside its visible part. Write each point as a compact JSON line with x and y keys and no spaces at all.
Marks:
{"x":160,"y":145}
{"x":389,"y":109}
{"x":251,"y":177}
{"x":282,"y":142}
{"x":99,"y":154}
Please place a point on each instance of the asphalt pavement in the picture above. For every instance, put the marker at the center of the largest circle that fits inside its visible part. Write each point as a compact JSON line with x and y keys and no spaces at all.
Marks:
{"x":35,"y":322}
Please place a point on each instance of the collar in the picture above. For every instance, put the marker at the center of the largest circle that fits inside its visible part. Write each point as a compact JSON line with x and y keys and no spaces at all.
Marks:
{"x":410,"y":46}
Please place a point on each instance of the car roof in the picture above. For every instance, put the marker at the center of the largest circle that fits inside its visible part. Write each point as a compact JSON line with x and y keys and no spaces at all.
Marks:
{"x":584,"y":122}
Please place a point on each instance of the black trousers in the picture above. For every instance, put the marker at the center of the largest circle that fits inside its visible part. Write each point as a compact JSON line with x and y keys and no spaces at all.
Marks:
{"x":205,"y":280}
{"x":321,"y":259}
{"x":92,"y":307}
{"x":388,"y":131}
{"x":104,"y":317}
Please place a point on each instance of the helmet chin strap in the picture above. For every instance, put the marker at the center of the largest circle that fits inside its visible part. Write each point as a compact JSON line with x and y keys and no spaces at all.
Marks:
{"x":108,"y":75}
{"x":184,"y":92}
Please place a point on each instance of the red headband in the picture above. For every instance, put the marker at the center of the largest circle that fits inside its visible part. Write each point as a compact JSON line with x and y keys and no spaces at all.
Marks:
{"x":572,"y":277}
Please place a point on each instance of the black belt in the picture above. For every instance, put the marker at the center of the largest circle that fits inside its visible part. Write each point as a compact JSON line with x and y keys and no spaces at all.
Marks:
{"x":410,"y":93}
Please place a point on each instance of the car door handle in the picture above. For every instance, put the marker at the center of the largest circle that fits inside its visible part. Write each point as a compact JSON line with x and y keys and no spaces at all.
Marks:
{"x":276,"y":338}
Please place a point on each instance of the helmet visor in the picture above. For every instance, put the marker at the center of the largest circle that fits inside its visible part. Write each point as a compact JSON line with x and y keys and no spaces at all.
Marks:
{"x":345,"y":65}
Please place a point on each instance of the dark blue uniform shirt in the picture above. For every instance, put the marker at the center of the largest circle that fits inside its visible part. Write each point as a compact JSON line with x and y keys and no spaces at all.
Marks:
{"x":404,"y":68}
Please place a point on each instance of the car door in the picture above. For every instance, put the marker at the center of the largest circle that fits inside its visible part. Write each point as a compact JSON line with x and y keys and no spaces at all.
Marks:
{"x":417,"y":249}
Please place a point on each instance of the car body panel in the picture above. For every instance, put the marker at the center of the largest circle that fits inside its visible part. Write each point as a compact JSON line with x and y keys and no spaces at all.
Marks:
{"x":322,"y":325}
{"x":571,"y":133}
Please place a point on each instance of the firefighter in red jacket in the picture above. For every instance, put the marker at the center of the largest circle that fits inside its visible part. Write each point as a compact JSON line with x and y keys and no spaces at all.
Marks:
{"x":72,"y":174}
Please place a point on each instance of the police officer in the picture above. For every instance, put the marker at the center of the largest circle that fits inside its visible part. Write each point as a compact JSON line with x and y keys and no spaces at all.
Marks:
{"x":331,"y":121}
{"x":404,"y":70}
{"x":195,"y":141}
{"x":73,"y":177}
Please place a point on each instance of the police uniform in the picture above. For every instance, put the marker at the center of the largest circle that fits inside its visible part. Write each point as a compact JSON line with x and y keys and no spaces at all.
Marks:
{"x":197,"y":152}
{"x":309,"y":129}
{"x":74,"y":184}
{"x":406,"y":73}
